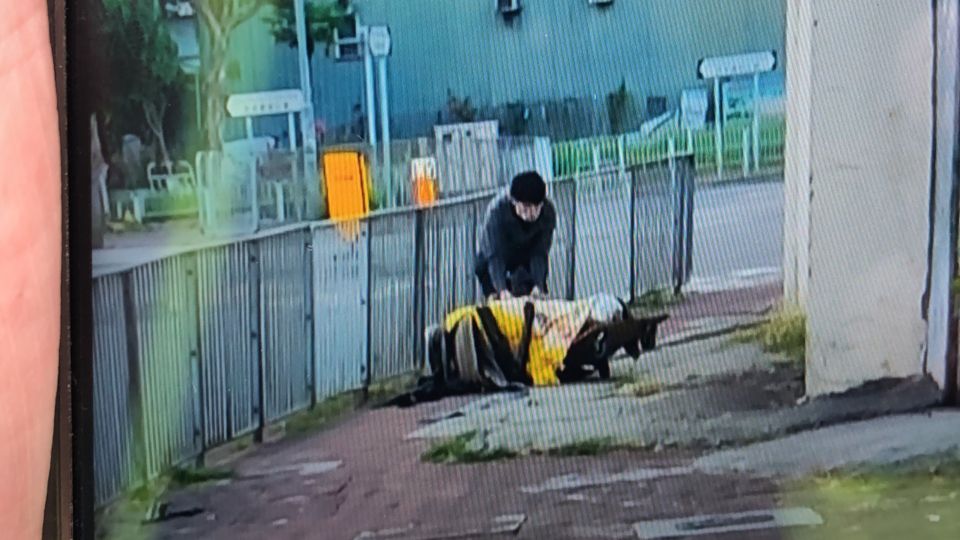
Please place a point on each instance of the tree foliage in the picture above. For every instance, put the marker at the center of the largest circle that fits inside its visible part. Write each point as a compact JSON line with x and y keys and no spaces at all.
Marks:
{"x":461,"y":110}
{"x":322,"y":19}
{"x":144,"y":71}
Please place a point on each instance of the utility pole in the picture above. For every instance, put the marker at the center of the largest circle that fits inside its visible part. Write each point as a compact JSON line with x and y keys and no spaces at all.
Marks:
{"x":368,"y":86}
{"x":378,"y":45}
{"x":308,"y":134}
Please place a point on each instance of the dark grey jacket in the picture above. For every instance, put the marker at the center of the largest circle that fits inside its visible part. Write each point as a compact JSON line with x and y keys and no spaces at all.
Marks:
{"x":507,"y":242}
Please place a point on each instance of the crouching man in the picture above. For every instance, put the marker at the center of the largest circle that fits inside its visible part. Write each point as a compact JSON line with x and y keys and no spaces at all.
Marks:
{"x":516,"y":239}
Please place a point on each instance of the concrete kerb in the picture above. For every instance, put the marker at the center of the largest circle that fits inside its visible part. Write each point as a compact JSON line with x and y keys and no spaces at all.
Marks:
{"x":876,"y":442}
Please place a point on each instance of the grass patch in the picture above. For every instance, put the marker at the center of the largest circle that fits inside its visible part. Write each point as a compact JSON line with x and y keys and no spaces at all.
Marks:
{"x":945,"y":464}
{"x":387,"y":389}
{"x":183,"y":476}
{"x":656,"y":299}
{"x":916,"y":499}
{"x":461,"y":449}
{"x":123,"y":518}
{"x":147,"y":493}
{"x":785,"y":333}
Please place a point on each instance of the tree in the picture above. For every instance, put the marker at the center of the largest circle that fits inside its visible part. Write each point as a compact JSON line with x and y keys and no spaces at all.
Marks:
{"x":220,"y":19}
{"x":144,"y":65}
{"x":322,"y":19}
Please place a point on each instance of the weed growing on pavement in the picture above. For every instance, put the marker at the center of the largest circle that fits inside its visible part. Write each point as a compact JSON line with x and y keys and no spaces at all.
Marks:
{"x":638,"y":386}
{"x":322,"y":414}
{"x":336,"y":407}
{"x":785,"y":333}
{"x":462,"y":449}
{"x":189,"y":476}
{"x":387,"y":389}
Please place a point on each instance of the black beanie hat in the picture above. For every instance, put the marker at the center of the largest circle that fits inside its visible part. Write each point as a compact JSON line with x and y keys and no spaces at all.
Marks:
{"x":528,"y":187}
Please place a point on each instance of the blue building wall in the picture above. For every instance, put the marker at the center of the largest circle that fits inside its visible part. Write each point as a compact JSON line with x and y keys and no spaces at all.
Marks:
{"x":554,"y":50}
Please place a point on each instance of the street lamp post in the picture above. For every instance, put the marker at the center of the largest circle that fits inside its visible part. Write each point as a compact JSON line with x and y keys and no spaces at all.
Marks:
{"x":378,"y":45}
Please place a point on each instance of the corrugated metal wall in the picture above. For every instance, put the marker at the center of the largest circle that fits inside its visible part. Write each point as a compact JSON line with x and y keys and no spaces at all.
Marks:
{"x":541,"y":58}
{"x":394,"y":317}
{"x":165,"y":304}
{"x":228,"y":286}
{"x":449,"y":248}
{"x":113,"y":411}
{"x":286,"y":322}
{"x":340,"y":276}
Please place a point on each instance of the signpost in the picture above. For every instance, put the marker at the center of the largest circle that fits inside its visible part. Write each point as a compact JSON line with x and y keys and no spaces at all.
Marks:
{"x":265,"y":103}
{"x":249,"y":106}
{"x":740,"y":64}
{"x":732,"y":66}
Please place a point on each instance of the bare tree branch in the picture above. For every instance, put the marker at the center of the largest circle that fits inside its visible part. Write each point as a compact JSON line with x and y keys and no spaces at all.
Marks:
{"x":210,"y":18}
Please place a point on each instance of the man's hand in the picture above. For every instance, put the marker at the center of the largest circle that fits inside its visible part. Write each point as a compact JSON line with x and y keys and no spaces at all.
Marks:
{"x":505,"y":295}
{"x":537,"y":293}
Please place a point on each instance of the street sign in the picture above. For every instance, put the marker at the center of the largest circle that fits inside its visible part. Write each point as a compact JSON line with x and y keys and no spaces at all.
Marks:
{"x":265,"y":103}
{"x":741,"y":64}
{"x":378,"y":39}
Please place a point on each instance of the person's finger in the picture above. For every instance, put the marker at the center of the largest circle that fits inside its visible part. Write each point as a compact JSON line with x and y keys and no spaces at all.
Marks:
{"x":29,"y":264}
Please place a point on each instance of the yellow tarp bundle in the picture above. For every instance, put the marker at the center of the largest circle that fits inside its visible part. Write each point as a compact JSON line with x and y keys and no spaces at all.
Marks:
{"x":556,"y":324}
